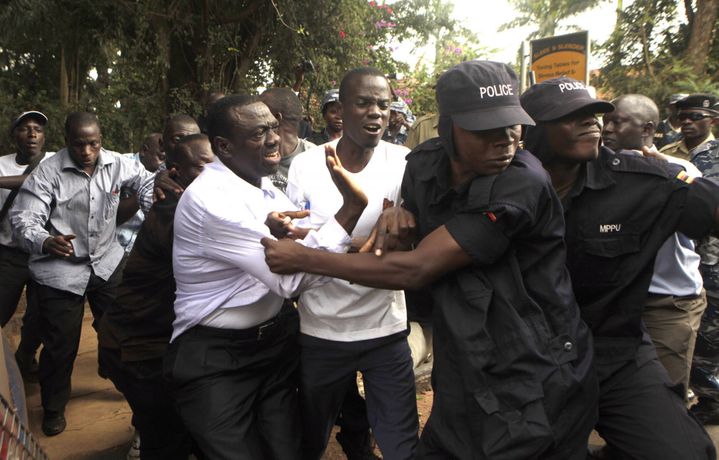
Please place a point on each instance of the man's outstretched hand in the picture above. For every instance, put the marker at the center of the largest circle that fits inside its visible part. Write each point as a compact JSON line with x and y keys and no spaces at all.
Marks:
{"x":165,"y":183}
{"x":281,"y":226}
{"x":284,"y":256}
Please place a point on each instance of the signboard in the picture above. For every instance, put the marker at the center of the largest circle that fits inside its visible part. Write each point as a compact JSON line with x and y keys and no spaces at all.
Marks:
{"x":561,"y":55}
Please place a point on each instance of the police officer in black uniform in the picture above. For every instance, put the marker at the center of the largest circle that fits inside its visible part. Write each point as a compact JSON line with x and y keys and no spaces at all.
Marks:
{"x":513,"y":375}
{"x":619,"y":209}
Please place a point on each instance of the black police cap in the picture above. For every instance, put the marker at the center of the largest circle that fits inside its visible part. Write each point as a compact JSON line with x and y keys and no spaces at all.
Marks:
{"x":553,"y":99}
{"x":481,"y":95}
{"x":698,"y":101}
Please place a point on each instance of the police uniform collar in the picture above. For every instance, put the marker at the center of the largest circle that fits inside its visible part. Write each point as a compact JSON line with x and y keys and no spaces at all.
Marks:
{"x":429,"y":155}
{"x":597,"y":175}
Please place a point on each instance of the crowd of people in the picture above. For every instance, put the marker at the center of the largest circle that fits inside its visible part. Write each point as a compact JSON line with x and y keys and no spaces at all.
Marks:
{"x":553,"y":251}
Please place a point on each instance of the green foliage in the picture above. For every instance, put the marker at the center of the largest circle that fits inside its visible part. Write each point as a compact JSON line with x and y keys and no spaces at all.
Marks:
{"x":546,"y":14}
{"x":153,"y":58}
{"x":646,"y":54}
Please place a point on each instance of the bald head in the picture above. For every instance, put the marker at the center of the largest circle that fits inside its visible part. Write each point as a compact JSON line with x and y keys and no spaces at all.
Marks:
{"x":632,"y":124}
{"x":639,"y":106}
{"x":177,"y":127}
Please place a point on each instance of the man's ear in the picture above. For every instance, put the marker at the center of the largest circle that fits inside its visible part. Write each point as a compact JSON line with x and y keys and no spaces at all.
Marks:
{"x":221,"y":147}
{"x":649,"y":129}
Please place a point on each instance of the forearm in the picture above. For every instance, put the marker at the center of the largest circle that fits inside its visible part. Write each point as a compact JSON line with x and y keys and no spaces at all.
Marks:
{"x":126,"y":209}
{"x":395,"y":270}
{"x":348,"y":216}
{"x":12,"y":182}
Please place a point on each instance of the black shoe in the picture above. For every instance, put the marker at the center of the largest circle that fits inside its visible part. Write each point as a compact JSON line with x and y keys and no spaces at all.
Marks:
{"x":357,"y":445}
{"x":28,"y":367}
{"x":53,"y":424}
{"x":706,"y":413}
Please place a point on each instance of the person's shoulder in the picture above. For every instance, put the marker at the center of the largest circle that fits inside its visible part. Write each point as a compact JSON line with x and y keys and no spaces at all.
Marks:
{"x":671,"y":148}
{"x":310,"y":158}
{"x":527,"y":170}
{"x":427,"y":118}
{"x":626,"y":161}
{"x":306,"y":144}
{"x":427,"y":147}
{"x":424,"y":158}
{"x":8,"y":160}
{"x":393,"y":150}
{"x":707,"y":159}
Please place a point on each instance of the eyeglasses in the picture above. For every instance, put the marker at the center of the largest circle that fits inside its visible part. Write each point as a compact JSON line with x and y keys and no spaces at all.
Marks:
{"x":693,"y":116}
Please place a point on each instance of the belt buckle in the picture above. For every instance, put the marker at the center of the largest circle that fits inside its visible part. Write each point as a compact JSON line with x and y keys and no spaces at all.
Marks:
{"x":262,"y":327}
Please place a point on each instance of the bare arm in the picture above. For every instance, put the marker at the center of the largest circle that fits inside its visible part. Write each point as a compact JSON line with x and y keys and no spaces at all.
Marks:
{"x":126,"y":209}
{"x":437,"y":255}
{"x":12,"y":182}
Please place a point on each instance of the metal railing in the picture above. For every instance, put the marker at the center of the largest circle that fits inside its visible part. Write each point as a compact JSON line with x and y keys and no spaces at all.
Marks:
{"x":16,"y":441}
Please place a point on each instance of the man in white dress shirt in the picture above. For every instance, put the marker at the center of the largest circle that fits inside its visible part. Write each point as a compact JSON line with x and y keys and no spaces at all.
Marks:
{"x":345,"y":327}
{"x":233,"y":355}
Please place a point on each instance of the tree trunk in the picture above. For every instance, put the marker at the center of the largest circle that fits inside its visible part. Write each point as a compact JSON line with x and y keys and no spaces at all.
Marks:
{"x":702,"y":34}
{"x":64,"y":95}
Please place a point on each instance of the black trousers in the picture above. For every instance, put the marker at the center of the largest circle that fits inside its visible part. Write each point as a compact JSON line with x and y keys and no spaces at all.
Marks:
{"x":643,"y":416}
{"x":14,"y":277}
{"x":61,"y":315}
{"x":705,"y":365}
{"x":236,"y":390}
{"x":328,"y":370}
{"x":163,"y":436}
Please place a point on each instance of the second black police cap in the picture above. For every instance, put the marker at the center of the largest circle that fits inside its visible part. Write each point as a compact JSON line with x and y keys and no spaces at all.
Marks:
{"x":552,"y":99}
{"x":481,"y":95}
{"x":698,"y":101}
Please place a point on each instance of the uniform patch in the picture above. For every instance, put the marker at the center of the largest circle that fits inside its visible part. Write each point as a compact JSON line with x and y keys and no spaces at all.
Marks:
{"x":609,"y":228}
{"x":684,"y":177}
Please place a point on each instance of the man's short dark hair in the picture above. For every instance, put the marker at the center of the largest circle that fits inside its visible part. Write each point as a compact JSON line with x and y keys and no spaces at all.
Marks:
{"x":284,"y":101}
{"x":221,"y":118}
{"x":182,"y":148}
{"x":356,"y":73}
{"x":76,"y":119}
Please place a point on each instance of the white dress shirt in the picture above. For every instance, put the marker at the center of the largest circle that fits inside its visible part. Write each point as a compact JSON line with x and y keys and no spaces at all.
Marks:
{"x":217,"y":257}
{"x":339,"y":310}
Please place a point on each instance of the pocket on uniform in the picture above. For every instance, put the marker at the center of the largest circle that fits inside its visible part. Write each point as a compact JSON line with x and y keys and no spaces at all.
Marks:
{"x":602,"y":260}
{"x":112,"y":201}
{"x":510,"y":422}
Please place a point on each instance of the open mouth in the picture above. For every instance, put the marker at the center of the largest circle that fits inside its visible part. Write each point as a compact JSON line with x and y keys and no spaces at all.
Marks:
{"x":272,"y":157}
{"x":373,"y":128}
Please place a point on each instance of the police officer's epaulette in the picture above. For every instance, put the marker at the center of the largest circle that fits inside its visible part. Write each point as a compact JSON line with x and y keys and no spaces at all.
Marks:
{"x":635,"y":163}
{"x":431,"y":144}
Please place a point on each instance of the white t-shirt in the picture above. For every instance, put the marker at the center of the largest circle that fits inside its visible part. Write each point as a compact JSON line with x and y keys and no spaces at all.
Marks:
{"x":9,"y":167}
{"x":340,"y":310}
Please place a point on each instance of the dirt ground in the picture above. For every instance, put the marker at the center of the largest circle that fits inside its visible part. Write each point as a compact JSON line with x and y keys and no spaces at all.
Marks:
{"x":99,"y":418}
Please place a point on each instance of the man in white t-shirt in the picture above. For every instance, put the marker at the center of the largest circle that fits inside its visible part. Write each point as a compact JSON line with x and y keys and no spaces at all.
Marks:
{"x":344,"y":327}
{"x":28,"y":134}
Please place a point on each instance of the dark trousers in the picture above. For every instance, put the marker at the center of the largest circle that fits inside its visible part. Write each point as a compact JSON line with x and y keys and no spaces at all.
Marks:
{"x":14,"y":277}
{"x":705,"y":366}
{"x":162,"y":434}
{"x":236,"y":390}
{"x":327,"y":371}
{"x":61,"y":315}
{"x":642,"y":415}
